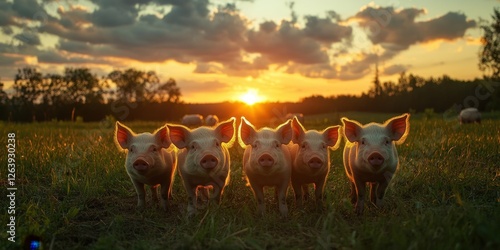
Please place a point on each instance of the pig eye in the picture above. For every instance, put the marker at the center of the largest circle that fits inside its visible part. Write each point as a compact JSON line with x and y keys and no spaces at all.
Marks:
{"x":363,"y":141}
{"x":132,"y":149}
{"x":217,"y":144}
{"x":323,"y":146}
{"x":303,"y":145}
{"x":154,"y":149}
{"x":387,"y":142}
{"x":277,"y":145}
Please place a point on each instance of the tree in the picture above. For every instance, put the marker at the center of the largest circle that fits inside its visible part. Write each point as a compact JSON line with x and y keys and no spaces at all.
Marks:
{"x":132,"y":84}
{"x":140,"y":86}
{"x":81,"y":86}
{"x":489,"y":57}
{"x":164,"y":92}
{"x":3,"y":95}
{"x":28,"y":84}
{"x":376,"y":90}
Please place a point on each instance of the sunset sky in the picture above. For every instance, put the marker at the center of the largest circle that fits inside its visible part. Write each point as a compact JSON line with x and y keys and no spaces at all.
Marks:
{"x":223,"y":50}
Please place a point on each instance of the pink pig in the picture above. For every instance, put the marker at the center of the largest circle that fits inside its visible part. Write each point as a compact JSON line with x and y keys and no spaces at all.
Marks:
{"x":150,"y":160}
{"x":204,"y":159}
{"x":370,"y":155}
{"x":267,"y":161}
{"x":311,"y":159}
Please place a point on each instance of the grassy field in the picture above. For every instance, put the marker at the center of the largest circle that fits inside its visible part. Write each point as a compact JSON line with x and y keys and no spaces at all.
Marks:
{"x":73,"y":192}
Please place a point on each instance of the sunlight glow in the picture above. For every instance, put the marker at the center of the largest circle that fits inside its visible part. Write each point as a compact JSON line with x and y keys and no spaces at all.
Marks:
{"x":250,"y":97}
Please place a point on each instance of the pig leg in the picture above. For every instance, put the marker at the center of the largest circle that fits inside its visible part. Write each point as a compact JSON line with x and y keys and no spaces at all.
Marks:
{"x":382,"y":186}
{"x":305,"y":189}
{"x":319,"y":189}
{"x":165,"y":195}
{"x":297,"y":188}
{"x":282,"y":199}
{"x":217,"y":194}
{"x":353,"y":194}
{"x":154,"y":193}
{"x":379,"y":202}
{"x":373,"y":192}
{"x":360,"y":191}
{"x":141,"y":194}
{"x":192,"y":202}
{"x":259,"y":195}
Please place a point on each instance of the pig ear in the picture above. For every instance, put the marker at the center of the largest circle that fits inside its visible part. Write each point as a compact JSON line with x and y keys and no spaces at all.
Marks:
{"x":331,"y":136}
{"x":352,"y":129}
{"x":246,"y":133}
{"x":398,"y":127}
{"x":298,"y":131}
{"x":285,"y":132}
{"x":225,"y":130}
{"x":162,"y":137}
{"x":123,"y":135}
{"x":178,"y":135}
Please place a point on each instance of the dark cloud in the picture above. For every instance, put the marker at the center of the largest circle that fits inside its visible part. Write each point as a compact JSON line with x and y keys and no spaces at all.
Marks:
{"x":399,"y":29}
{"x":325,"y":30}
{"x":285,"y":43}
{"x":395,"y":69}
{"x":29,"y":9}
{"x":321,"y":70}
{"x":28,"y":37}
{"x":56,"y":57}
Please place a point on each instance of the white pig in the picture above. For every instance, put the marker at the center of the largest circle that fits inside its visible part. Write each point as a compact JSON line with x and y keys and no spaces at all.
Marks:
{"x":211,"y":120}
{"x":204,"y":158}
{"x":267,"y":161}
{"x":192,"y":120}
{"x":469,"y":115}
{"x":311,"y":159}
{"x":150,"y":160}
{"x":370,"y":155}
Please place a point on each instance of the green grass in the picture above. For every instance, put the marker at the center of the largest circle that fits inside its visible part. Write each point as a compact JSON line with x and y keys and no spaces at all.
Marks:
{"x":73,"y":191}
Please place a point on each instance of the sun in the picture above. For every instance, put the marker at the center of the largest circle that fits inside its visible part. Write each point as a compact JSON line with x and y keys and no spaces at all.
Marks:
{"x":250,"y":97}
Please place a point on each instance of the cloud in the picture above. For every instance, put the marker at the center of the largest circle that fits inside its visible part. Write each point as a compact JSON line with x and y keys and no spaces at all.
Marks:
{"x":325,"y":30}
{"x":398,"y":28}
{"x":288,"y":43}
{"x":395,"y":69}
{"x":218,"y":39}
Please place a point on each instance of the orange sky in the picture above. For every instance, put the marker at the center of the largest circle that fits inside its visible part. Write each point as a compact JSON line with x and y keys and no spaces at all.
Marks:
{"x":222,"y":50}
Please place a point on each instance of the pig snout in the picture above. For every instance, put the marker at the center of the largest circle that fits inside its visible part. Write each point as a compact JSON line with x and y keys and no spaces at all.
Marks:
{"x":376,"y":159}
{"x":141,"y":164}
{"x":315,"y":162}
{"x":209,"y":162}
{"x":266,"y":160}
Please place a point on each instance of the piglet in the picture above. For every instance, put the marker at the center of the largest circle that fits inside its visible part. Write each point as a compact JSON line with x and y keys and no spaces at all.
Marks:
{"x":204,"y":158}
{"x":150,"y":160}
{"x":267,"y":161}
{"x":311,"y":159}
{"x":370,"y":155}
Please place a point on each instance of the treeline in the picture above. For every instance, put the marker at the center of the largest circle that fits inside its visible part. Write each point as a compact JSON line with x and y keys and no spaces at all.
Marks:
{"x":137,"y":95}
{"x":78,"y":93}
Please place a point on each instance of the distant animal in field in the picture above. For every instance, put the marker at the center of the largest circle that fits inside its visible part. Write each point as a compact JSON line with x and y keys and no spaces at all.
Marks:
{"x":370,"y":156}
{"x":469,"y":115}
{"x":192,"y":120}
{"x":151,"y":160}
{"x":211,"y":120}
{"x":300,"y":117}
